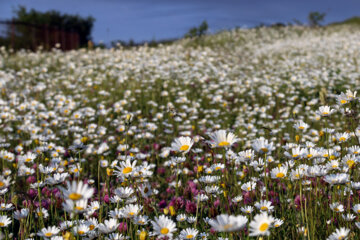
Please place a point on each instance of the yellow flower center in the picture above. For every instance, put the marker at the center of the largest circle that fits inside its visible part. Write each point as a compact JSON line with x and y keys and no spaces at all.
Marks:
{"x":131,"y":213}
{"x":280,"y":175}
{"x":325,"y":113}
{"x":265,"y":150}
{"x":264,"y":208}
{"x":28,"y":160}
{"x":217,"y":168}
{"x":81,"y":232}
{"x":264,"y":227}
{"x":48,"y":234}
{"x":358,"y":210}
{"x":350,"y":163}
{"x":164,"y":231}
{"x":342,"y":139}
{"x":343,"y":101}
{"x":309,"y":155}
{"x":189,"y":236}
{"x":2,"y":184}
{"x":301,"y":127}
{"x":184,"y":147}
{"x":79,"y":208}
{"x":223,"y":144}
{"x":143,"y":235}
{"x":75,"y":196}
{"x":2,"y":224}
{"x":91,"y":227}
{"x":127,"y":170}
{"x":227,"y":226}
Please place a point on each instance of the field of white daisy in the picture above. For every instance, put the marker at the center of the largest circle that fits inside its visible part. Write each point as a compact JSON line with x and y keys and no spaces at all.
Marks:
{"x":246,"y":134}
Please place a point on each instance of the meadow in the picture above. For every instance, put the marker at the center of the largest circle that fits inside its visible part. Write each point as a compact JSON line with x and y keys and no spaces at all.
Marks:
{"x":245,"y":134}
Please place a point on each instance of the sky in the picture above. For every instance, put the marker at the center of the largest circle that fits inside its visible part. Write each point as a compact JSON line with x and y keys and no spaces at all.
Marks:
{"x":146,"y":20}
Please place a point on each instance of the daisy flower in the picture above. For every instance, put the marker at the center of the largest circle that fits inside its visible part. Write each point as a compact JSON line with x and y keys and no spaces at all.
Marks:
{"x":325,"y":111}
{"x":348,"y":217}
{"x":4,"y":221}
{"x":296,"y":153}
{"x":4,"y":182}
{"x":131,"y":210}
{"x":278,"y":222}
{"x":356,"y":208}
{"x":228,"y":223}
{"x":337,"y":207}
{"x":6,"y":207}
{"x":116,"y":236}
{"x":48,"y":232}
{"x":357,"y":224}
{"x":124,"y":192}
{"x":92,"y":223}
{"x":108,"y":226}
{"x":77,"y":191}
{"x":264,"y":205}
{"x":248,"y":186}
{"x":342,"y":99}
{"x":221,"y":139}
{"x":339,"y":178}
{"x":279,"y":172}
{"x":341,"y":233}
{"x":350,"y":160}
{"x":342,"y":137}
{"x":141,"y":220}
{"x":261,"y":224}
{"x":81,"y":230}
{"x":126,"y":169}
{"x":182,"y":144}
{"x":163,"y":226}
{"x":247,"y":209}
{"x":301,"y":125}
{"x":181,"y":218}
{"x":262,"y":145}
{"x":21,"y":214}
{"x":188,"y":233}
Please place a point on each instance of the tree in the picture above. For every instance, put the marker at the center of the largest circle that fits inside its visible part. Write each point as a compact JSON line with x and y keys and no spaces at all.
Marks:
{"x":34,"y":26}
{"x":315,"y":18}
{"x":198,"y":31}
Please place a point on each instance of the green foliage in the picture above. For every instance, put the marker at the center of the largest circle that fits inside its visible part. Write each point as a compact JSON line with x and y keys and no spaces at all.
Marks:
{"x":32,"y":22}
{"x":198,"y":31}
{"x":352,"y":21}
{"x":315,"y":18}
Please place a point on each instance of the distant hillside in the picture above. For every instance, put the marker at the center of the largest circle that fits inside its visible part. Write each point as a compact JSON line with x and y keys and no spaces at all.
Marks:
{"x":353,"y":20}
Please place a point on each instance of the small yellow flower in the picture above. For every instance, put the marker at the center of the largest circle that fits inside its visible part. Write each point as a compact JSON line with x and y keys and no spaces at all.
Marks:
{"x":109,"y":171}
{"x":143,"y":235}
{"x":172,"y":211}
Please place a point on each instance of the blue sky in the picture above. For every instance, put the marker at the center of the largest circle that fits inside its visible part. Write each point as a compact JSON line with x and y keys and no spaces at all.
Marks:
{"x":160,"y":19}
